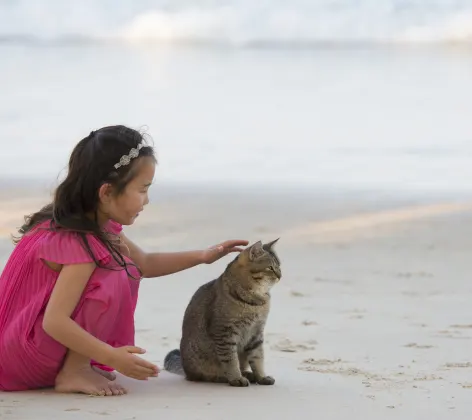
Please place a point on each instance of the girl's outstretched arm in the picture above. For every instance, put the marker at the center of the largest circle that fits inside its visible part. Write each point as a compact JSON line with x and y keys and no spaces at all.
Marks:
{"x":157,"y":264}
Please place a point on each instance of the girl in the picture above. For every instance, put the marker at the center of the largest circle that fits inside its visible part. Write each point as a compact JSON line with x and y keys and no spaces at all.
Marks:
{"x":69,"y":289}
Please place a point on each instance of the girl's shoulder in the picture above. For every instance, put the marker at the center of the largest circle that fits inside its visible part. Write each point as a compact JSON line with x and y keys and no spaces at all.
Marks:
{"x":69,"y":247}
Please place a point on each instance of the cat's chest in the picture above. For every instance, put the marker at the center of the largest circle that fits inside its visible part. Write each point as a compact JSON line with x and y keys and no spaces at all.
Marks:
{"x":248,"y":330}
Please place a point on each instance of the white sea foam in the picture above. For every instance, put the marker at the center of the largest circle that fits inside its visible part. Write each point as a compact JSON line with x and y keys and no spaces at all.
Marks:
{"x":240,"y":23}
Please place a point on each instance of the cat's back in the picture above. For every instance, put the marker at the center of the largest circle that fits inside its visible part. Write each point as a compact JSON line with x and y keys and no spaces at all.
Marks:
{"x":197,"y":309}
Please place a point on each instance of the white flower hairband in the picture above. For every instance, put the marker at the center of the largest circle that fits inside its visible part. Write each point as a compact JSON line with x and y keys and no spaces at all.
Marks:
{"x":133,"y":153}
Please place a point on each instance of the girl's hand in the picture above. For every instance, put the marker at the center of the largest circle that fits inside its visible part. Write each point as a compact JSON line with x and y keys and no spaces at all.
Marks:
{"x":215,"y":252}
{"x":124,"y":361}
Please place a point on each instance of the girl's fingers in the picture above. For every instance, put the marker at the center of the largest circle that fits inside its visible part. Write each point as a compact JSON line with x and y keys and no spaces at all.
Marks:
{"x":145,"y":371}
{"x":234,"y":243}
{"x":234,"y":249}
{"x":140,"y":376}
{"x":145,"y":364}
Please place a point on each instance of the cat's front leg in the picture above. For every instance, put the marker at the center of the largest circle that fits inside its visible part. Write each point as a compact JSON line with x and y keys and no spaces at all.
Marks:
{"x":229,"y":361}
{"x":245,"y":368}
{"x":255,"y":356}
{"x":225,"y":341}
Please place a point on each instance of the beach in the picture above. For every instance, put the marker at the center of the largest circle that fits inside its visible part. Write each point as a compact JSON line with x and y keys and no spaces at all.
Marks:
{"x":370,"y":320}
{"x":341,"y":127}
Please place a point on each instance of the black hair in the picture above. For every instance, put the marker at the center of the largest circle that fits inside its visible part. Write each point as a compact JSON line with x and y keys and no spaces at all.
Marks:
{"x":91,"y":164}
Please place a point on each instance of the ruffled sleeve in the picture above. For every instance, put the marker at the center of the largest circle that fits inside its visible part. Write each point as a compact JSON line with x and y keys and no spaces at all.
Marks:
{"x":69,"y":248}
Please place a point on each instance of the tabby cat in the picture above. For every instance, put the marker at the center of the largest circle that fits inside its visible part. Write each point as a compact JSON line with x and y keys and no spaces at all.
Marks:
{"x":223,"y":325}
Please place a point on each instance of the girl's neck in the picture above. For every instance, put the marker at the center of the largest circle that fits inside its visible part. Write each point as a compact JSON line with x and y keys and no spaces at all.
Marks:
{"x":99,"y":217}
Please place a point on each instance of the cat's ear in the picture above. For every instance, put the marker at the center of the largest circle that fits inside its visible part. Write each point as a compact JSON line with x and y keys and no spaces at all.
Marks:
{"x":270,"y":245}
{"x":255,"y":251}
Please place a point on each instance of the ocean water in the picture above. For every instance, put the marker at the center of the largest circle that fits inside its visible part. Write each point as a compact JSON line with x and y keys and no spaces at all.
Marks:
{"x":311,"y":93}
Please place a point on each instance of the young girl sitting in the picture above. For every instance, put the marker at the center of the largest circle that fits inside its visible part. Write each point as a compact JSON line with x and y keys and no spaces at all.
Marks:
{"x":69,"y":289}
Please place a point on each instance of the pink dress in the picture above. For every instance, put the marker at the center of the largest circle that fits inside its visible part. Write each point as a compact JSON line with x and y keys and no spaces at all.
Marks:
{"x":30,"y":358}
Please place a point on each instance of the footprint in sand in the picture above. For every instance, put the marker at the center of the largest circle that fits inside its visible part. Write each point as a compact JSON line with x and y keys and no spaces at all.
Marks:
{"x":320,"y":362}
{"x":451,"y":334}
{"x":287,"y":346}
{"x":409,"y":274}
{"x":335,"y":367}
{"x":338,"y":367}
{"x":428,"y":377}
{"x":418,"y":346}
{"x":458,"y":365}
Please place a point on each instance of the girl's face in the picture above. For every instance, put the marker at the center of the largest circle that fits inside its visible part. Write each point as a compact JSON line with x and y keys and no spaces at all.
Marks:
{"x":126,"y":207}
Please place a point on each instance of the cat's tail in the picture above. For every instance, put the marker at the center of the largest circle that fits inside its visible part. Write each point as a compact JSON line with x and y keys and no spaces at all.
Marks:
{"x":173,"y":362}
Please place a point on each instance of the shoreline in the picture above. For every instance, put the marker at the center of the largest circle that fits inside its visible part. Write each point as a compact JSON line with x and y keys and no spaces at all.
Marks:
{"x":315,"y":215}
{"x":169,"y":188}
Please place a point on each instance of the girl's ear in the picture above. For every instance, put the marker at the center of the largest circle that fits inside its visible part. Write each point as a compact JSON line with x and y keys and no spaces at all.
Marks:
{"x":105,"y":192}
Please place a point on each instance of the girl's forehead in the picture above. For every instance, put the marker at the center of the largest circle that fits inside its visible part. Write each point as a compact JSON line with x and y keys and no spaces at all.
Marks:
{"x":145,"y":171}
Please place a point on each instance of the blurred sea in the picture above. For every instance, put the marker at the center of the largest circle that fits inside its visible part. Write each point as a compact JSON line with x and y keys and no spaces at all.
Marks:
{"x":307,"y":93}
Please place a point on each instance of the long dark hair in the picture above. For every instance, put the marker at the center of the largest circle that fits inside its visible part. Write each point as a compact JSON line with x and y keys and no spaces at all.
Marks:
{"x":91,"y":164}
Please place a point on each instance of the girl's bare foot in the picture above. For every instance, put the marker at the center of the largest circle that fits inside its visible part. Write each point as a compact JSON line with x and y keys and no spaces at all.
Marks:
{"x":77,"y":376}
{"x":109,"y":375}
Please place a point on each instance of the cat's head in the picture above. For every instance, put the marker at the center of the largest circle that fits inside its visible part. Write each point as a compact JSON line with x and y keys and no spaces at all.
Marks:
{"x":257,"y":267}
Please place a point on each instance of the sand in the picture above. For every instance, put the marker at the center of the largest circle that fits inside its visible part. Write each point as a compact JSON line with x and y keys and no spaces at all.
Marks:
{"x":371,"y":319}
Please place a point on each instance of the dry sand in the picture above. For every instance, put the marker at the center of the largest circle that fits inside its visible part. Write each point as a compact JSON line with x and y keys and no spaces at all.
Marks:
{"x":371,"y":320}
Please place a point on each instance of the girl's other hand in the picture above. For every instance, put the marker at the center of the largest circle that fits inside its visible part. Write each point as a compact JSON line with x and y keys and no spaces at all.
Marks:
{"x":123,"y":360}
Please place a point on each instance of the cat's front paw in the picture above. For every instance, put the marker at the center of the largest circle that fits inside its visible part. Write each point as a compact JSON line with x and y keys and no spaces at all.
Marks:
{"x":242,"y":381}
{"x":250,"y":376}
{"x":266,"y":380}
